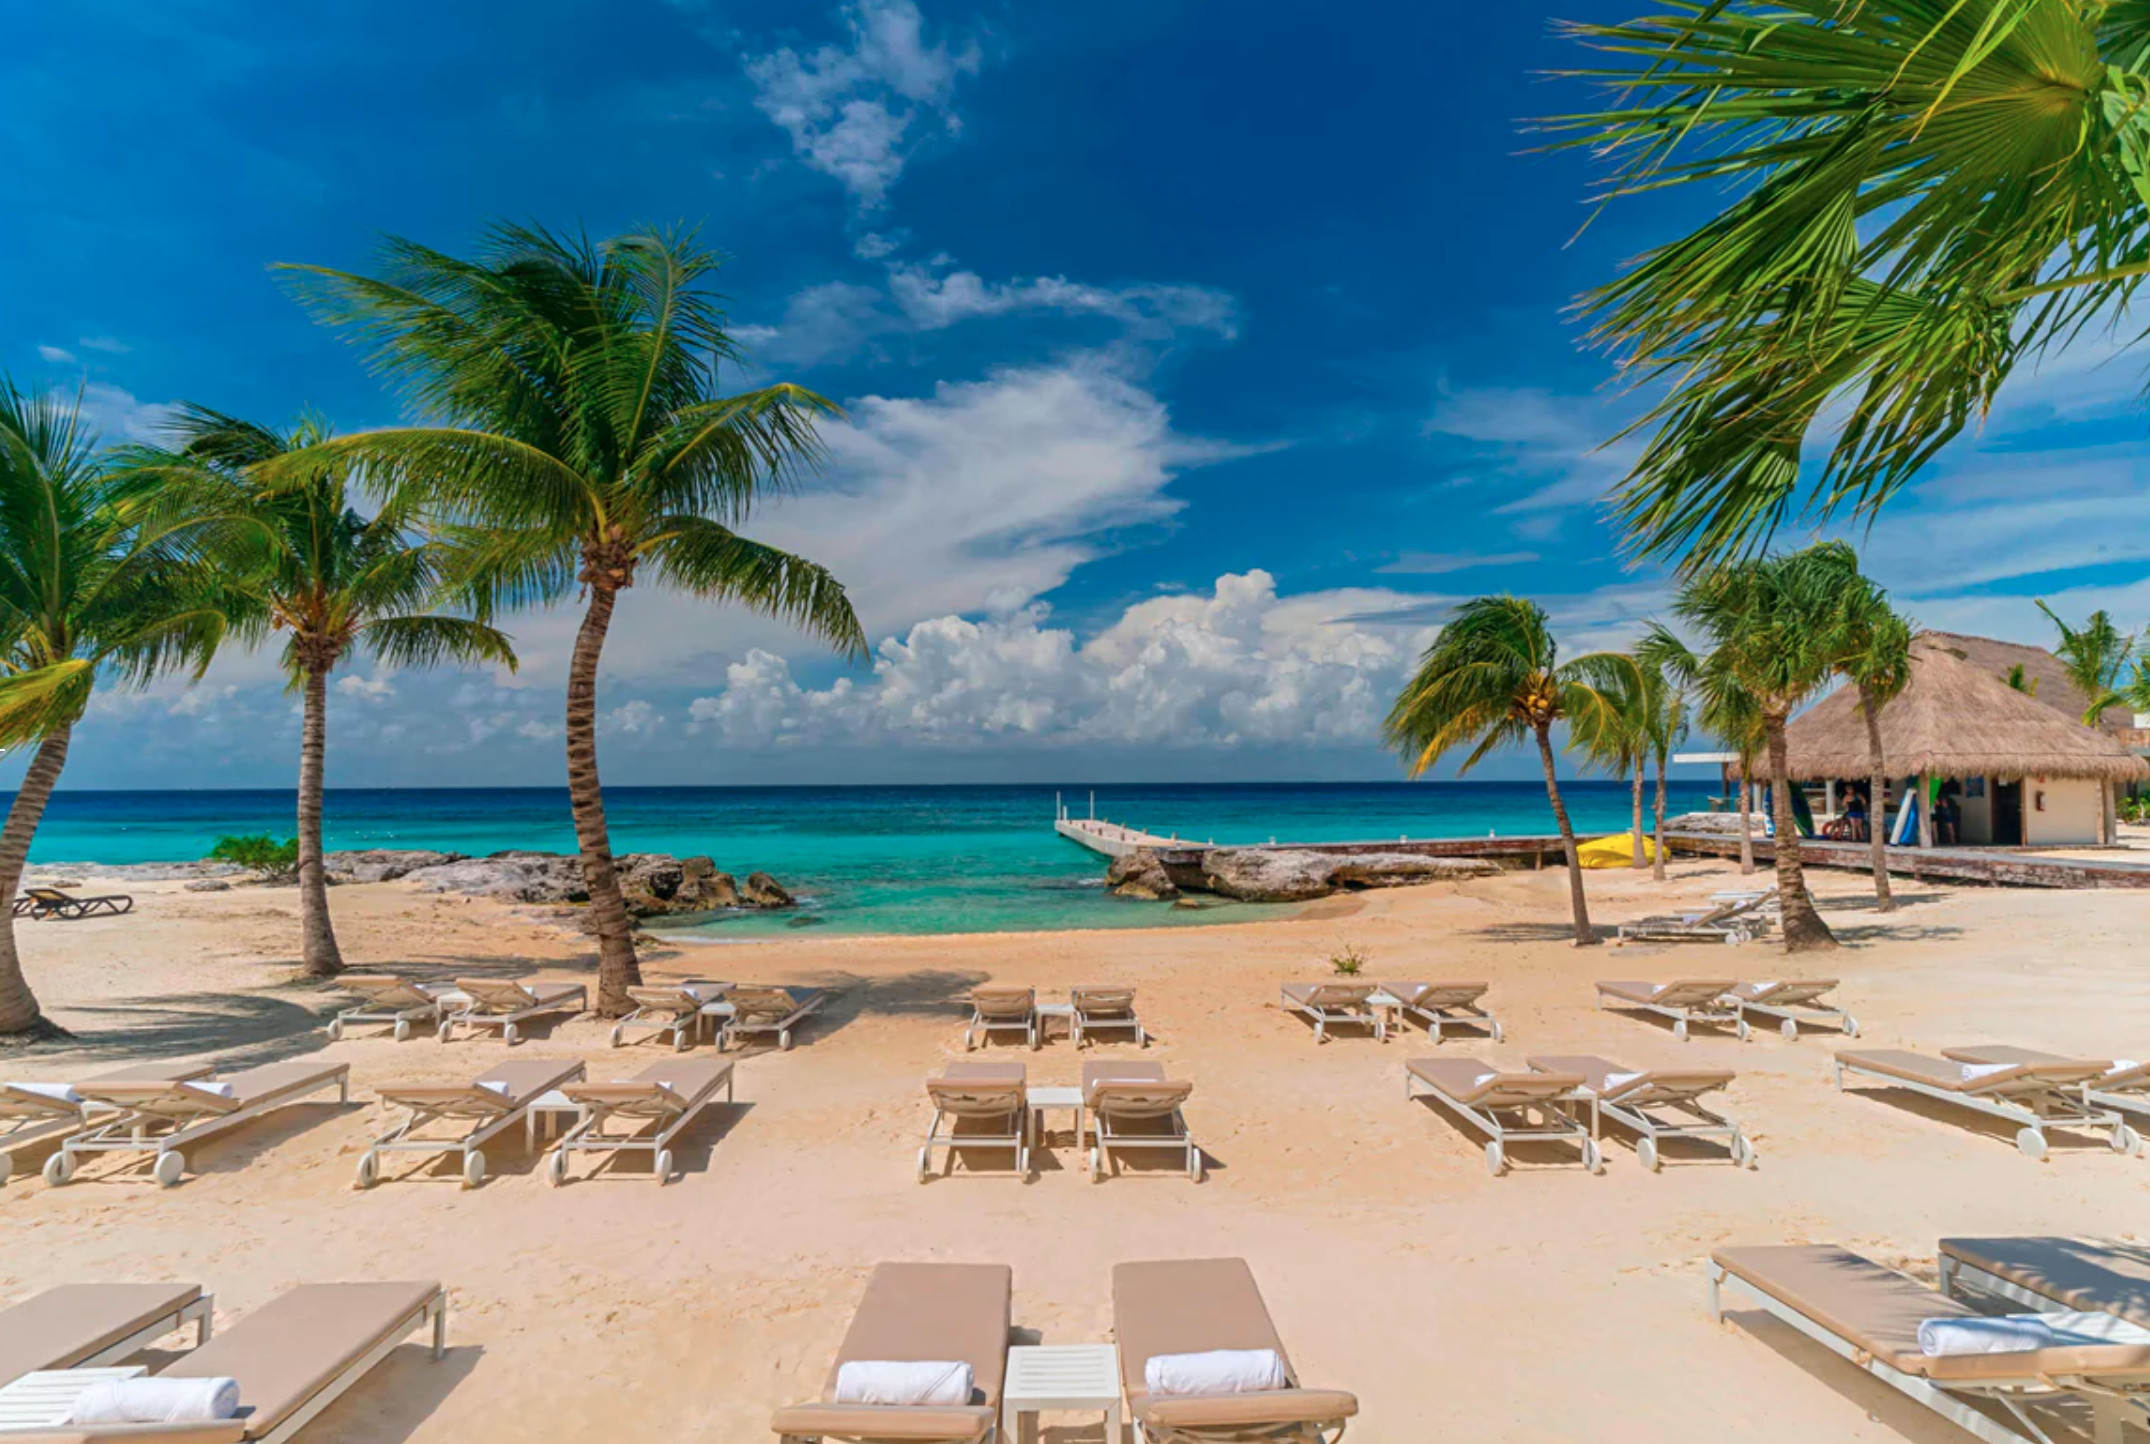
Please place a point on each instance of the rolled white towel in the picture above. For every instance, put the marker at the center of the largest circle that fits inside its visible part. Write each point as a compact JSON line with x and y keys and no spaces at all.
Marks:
{"x":57,"y":1092}
{"x":2005,"y":1334}
{"x":157,"y":1401}
{"x":1972,"y":1072}
{"x":1479,"y":1082}
{"x":940,"y":1384}
{"x":1219,"y":1371}
{"x":1614,"y":1082}
{"x":214,"y":1090}
{"x":492,"y":1087}
{"x":2123,"y":1065}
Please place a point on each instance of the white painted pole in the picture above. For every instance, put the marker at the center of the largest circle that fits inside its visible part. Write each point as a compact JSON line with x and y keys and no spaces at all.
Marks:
{"x":1926,"y":811}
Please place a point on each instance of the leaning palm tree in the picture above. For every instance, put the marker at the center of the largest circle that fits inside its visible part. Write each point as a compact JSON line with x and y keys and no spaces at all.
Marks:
{"x":1726,"y":711}
{"x":1915,"y":197}
{"x":1769,"y":623}
{"x":340,"y":583}
{"x":1873,"y":646}
{"x":89,"y":592}
{"x":1667,"y":727}
{"x":573,"y":435}
{"x":1494,"y":678}
{"x":1616,"y":740}
{"x":2095,"y":656}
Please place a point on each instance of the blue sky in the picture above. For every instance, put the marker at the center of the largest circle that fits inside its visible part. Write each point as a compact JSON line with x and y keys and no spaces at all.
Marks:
{"x":1195,"y":359}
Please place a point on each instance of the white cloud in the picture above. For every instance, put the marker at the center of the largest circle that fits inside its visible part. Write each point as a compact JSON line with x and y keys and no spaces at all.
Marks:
{"x":1548,"y":447}
{"x":636,"y":717}
{"x":115,"y":415}
{"x":377,"y":688}
{"x":55,"y":355}
{"x":850,"y":109}
{"x":111,"y":344}
{"x":1428,"y":564}
{"x":536,"y":731}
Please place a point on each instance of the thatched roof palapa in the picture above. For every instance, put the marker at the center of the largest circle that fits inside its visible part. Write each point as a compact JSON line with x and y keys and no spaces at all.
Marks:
{"x":1955,"y":719}
{"x":2042,"y":672}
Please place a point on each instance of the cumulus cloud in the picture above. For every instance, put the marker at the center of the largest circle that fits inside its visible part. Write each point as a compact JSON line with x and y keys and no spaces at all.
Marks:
{"x":111,"y":344}
{"x":376,"y":688}
{"x":1236,"y":665}
{"x":853,"y":110}
{"x":633,"y":718}
{"x":56,"y":355}
{"x":116,"y":415}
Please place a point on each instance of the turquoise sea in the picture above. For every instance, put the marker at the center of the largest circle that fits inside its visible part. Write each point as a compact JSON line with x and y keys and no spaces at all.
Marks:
{"x":862,"y":859}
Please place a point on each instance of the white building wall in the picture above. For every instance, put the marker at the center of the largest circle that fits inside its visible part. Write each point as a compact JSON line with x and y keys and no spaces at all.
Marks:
{"x":2071,"y":816}
{"x":1974,"y":816}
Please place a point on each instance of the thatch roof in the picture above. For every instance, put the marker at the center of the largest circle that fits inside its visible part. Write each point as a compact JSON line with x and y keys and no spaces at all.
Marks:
{"x":1957,"y":718}
{"x":2042,"y":672}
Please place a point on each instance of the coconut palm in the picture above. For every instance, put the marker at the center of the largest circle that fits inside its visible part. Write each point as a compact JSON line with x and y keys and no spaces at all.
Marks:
{"x":1725,"y":710}
{"x":89,"y":593}
{"x":1919,"y":195}
{"x":1617,"y":742}
{"x":1494,"y":678}
{"x":1669,"y":723}
{"x":573,"y":435}
{"x":1873,"y":645}
{"x":1770,"y":624}
{"x":2095,"y":655}
{"x":340,"y":583}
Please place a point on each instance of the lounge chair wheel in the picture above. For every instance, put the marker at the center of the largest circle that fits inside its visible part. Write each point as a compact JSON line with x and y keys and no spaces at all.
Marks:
{"x":1498,"y":1034}
{"x":1851,"y":1026}
{"x":169,"y":1169}
{"x":556,"y":1168}
{"x":1646,"y":1154}
{"x":1097,"y":1164}
{"x":968,"y":1045}
{"x":1679,"y":1029}
{"x":473,"y":1168}
{"x":335,"y":1030}
{"x":1594,"y":1156}
{"x":1496,"y":1158}
{"x":1142,"y":1039}
{"x":1789,"y":1027}
{"x":369,"y":1169}
{"x":60,"y":1169}
{"x":2032,"y":1143}
{"x":7,"y":1166}
{"x":443,"y":1031}
{"x":783,"y":1041}
{"x":1194,"y":1166}
{"x":925,"y":1164}
{"x":1742,"y":1031}
{"x":507,"y":1034}
{"x":664,"y":1165}
{"x":681,"y":1041}
{"x":2126,"y":1139}
{"x":619,"y":1035}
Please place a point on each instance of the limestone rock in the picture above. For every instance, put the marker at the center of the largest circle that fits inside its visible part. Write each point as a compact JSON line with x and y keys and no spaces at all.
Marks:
{"x":763,"y":891}
{"x":653,"y":884}
{"x":384,"y":864}
{"x":525,"y":877}
{"x":1140,"y":875}
{"x":1401,"y":869}
{"x":207,"y":884}
{"x":1258,"y":874}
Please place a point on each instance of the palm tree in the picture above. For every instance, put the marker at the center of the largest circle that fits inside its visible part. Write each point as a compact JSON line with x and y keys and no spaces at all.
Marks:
{"x":1726,"y":710}
{"x":338,"y":582}
{"x":1919,"y":196}
{"x":1617,"y":741}
{"x":1769,"y":621}
{"x":1494,"y":678}
{"x":574,"y":437}
{"x":88,"y":591}
{"x":2094,"y":656}
{"x":1668,"y":728}
{"x":1873,"y":647}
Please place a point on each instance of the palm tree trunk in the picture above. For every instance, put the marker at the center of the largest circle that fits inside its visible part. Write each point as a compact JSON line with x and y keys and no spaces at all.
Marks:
{"x":1585,"y":935}
{"x":1804,"y":930}
{"x":1635,"y":857}
{"x":1746,"y":820}
{"x":322,"y":958}
{"x":616,"y":967}
{"x":1657,"y":859}
{"x":19,"y":1014}
{"x":1877,"y":830}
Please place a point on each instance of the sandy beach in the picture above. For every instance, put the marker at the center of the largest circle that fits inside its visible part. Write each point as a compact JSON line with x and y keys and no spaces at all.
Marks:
{"x":1547,"y":1304}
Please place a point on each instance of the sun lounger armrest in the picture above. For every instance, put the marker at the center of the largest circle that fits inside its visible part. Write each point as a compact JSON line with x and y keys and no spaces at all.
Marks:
{"x":222,"y":1431}
{"x":883,"y":1421}
{"x":1236,"y":1411}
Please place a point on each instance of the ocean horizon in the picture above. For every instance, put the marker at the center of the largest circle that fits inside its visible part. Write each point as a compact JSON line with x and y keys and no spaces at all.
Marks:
{"x":861,"y":859}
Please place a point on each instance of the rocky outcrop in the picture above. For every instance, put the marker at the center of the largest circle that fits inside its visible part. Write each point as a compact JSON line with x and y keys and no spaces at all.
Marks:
{"x":1724,"y":824}
{"x":206,"y":884}
{"x":524,"y":877}
{"x":654,"y":884}
{"x":763,"y":891}
{"x":384,"y":864}
{"x":71,"y":875}
{"x":1140,"y":874}
{"x":1260,"y":874}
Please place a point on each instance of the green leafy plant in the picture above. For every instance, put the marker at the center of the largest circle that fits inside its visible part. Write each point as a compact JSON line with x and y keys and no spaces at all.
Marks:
{"x":260,"y":852}
{"x":1348,"y":961}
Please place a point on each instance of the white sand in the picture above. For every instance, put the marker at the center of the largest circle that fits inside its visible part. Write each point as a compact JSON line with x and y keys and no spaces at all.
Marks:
{"x":1544,"y":1305}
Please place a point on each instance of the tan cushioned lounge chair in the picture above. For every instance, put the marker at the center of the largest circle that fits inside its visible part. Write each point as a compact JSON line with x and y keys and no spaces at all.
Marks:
{"x":1444,"y":1005}
{"x":674,"y":1008}
{"x":2035,"y":1096}
{"x":480,"y":1112}
{"x":1134,"y":1105}
{"x":919,"y":1313}
{"x":2044,"y":1273}
{"x":398,"y":1002}
{"x":668,"y":1096}
{"x":1105,"y":1009}
{"x":761,"y":1008}
{"x":1686,"y":1001}
{"x":1656,"y":1104}
{"x":1002,"y":1007}
{"x":79,"y":1326}
{"x":505,"y":1004}
{"x":1191,"y":1306}
{"x":2124,"y":1090}
{"x":983,"y":1105}
{"x":162,"y":1119}
{"x":1792,"y":1002}
{"x":1520,"y":1107}
{"x":1329,"y":1004}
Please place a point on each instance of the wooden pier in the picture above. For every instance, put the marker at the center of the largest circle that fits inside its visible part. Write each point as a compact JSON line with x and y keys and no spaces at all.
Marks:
{"x":1991,"y":866}
{"x":1112,"y":839}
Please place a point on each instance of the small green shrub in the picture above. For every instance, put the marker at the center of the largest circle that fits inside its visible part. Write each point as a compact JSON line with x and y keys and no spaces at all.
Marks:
{"x":260,"y":852}
{"x":1348,"y":961}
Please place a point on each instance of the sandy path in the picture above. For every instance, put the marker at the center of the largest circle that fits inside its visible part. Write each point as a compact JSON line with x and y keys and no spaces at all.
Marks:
{"x":1531,"y":1307}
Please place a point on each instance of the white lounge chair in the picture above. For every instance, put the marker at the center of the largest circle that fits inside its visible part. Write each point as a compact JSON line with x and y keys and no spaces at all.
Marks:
{"x":1523,"y":1107}
{"x":1793,"y":1003}
{"x":1133,"y":1107}
{"x":656,"y":1105}
{"x":507,"y":1005}
{"x":1331,"y":1005}
{"x":981,"y":1105}
{"x":1443,"y":1006}
{"x":2124,"y":1086}
{"x":758,"y":1008}
{"x":2035,"y":1096}
{"x":1686,"y":1001}
{"x":1655,"y":1104}
{"x":396,"y":1001}
{"x":1001,"y":1008}
{"x":674,"y":1008}
{"x":163,"y":1119}
{"x":1105,"y":1010}
{"x":89,"y":1326}
{"x":1737,"y":918}
{"x":478,"y":1111}
{"x":32,"y":1113}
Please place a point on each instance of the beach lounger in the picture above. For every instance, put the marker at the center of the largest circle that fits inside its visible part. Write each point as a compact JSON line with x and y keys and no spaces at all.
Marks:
{"x":41,"y":904}
{"x":1133,"y":1106}
{"x":998,"y":1007}
{"x":1331,"y":1004}
{"x":88,"y":1326}
{"x":1507,"y":1107}
{"x":163,"y":1119}
{"x":918,"y":1313}
{"x":1870,"y":1316}
{"x":761,"y":1008}
{"x":1441,"y":1006}
{"x":507,"y":1005}
{"x":1655,"y":1104}
{"x":41,"y":1112}
{"x":674,"y":1008}
{"x":2124,"y":1086}
{"x":1196,"y":1306}
{"x":1686,"y":1001}
{"x":398,"y":1002}
{"x":1106,"y":1010}
{"x":2048,"y":1273}
{"x":1735,"y":920}
{"x":1792,"y":1003}
{"x":2036,"y":1096}
{"x":478,"y":1111}
{"x":654,"y":1107}
{"x":984,"y":1105}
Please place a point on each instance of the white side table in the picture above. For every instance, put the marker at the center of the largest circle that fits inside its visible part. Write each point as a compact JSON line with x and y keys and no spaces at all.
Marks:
{"x":548,"y":1107}
{"x":43,"y":1400}
{"x":1046,"y":1012}
{"x":1060,"y":1376}
{"x":1042,"y":1099}
{"x":1390,"y":1007}
{"x":719,"y":1014}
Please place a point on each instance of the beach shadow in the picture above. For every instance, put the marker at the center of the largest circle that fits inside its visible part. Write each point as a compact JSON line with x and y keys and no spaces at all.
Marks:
{"x":1882,"y":930}
{"x":245,"y":1029}
{"x":2059,"y":1138}
{"x":1696,"y":1028}
{"x":693,"y":1149}
{"x":403,"y":1391}
{"x":1520,"y":932}
{"x":1523,"y":1156}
